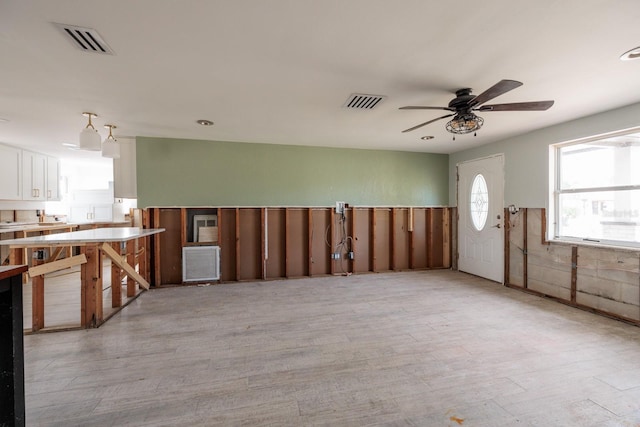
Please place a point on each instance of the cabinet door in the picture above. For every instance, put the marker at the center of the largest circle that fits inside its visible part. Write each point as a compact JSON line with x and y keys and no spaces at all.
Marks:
{"x":53,"y":178}
{"x":34,"y":168}
{"x":10,"y":173}
{"x":103,"y":213}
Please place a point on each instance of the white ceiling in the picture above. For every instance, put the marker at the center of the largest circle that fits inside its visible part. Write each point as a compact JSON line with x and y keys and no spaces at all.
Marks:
{"x":279,"y":71}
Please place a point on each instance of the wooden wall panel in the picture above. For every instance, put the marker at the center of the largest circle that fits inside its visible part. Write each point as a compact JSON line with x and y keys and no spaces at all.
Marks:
{"x":170,"y":246}
{"x":362,"y":240}
{"x":608,"y":279}
{"x":401,"y":239}
{"x":227,"y":219}
{"x":437,"y":237}
{"x":419,"y":238}
{"x":250,"y":244}
{"x":320,"y":251}
{"x":548,"y":267}
{"x":276,"y":243}
{"x":297,"y":243}
{"x":382,"y":239}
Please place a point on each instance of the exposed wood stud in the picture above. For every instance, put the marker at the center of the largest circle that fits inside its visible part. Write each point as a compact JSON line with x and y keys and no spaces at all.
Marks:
{"x":353,"y":240}
{"x":263,"y":242}
{"x":574,"y":273}
{"x":507,"y":245}
{"x":238,"y":257}
{"x":374,"y":263}
{"x":116,"y":281}
{"x":525,"y":247}
{"x":287,"y":246}
{"x":310,"y":242}
{"x":37,"y":299}
{"x":156,"y":248}
{"x":446,"y":238}
{"x":392,"y":240}
{"x":429,"y":232}
{"x":183,"y":228}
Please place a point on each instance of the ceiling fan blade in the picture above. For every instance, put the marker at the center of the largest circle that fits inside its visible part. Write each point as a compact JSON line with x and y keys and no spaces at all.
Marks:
{"x":426,"y":123}
{"x":412,"y":107}
{"x":503,"y":86}
{"x":518,"y":106}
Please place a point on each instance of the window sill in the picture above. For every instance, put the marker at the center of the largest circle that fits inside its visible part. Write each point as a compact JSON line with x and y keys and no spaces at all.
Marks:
{"x":592,"y":244}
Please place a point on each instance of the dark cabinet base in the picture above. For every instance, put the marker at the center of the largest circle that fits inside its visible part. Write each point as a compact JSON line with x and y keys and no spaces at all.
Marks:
{"x":11,"y":347}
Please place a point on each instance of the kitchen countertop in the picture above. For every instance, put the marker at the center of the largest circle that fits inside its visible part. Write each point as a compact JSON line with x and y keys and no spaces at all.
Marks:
{"x":49,"y":226}
{"x":79,"y":238}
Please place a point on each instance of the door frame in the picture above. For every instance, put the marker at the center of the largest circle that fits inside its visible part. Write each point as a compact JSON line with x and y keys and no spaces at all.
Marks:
{"x":501,"y":204}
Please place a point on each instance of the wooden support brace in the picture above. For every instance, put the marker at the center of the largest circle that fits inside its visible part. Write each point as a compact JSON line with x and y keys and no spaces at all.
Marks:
{"x":57,"y":265}
{"x":54,"y":256}
{"x":117,"y":259}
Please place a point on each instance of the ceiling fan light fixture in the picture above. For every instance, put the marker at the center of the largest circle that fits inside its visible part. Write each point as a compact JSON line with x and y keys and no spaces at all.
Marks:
{"x":89,"y":136}
{"x":465,"y":123}
{"x":631,"y":54}
{"x":110,"y":146}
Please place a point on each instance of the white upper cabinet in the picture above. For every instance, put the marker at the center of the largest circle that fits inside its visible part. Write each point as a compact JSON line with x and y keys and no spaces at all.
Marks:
{"x":26,"y":175}
{"x":53,"y":179}
{"x":34,"y":176}
{"x":10,"y":173}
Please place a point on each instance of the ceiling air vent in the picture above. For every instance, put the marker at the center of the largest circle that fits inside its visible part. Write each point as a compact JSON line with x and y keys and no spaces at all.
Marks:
{"x":360,"y":101}
{"x":85,"y":39}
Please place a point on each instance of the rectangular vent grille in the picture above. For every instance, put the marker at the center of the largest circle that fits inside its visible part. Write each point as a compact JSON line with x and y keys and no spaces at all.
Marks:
{"x":361,"y":101}
{"x":200,"y":263}
{"x":85,"y":39}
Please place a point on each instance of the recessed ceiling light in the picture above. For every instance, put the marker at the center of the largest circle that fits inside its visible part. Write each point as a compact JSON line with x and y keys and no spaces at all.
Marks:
{"x":426,"y":138}
{"x":632,"y":54}
{"x":204,"y":122}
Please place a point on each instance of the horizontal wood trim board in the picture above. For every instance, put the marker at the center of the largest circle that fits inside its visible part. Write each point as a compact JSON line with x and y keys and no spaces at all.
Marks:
{"x":57,"y":265}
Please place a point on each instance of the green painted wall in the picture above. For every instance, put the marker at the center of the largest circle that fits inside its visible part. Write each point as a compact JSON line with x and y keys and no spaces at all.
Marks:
{"x":179,"y":172}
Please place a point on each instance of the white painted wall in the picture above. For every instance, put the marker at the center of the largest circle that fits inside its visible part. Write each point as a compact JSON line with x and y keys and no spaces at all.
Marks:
{"x":527,"y":156}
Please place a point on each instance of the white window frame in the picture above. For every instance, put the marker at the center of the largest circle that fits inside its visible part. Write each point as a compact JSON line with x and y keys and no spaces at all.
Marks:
{"x":556,"y":191}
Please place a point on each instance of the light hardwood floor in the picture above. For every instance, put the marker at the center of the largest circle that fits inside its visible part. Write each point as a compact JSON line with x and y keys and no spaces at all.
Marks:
{"x":429,"y":348}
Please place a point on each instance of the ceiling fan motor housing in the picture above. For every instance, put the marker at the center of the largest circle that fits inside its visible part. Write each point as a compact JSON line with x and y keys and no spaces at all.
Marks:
{"x":462,"y":99}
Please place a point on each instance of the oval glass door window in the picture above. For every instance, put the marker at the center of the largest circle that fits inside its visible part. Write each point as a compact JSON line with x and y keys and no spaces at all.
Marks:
{"x":479,"y":202}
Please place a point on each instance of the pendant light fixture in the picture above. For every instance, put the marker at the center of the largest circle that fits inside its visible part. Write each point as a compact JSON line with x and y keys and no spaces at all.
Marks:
{"x":89,"y":137}
{"x":110,"y":146}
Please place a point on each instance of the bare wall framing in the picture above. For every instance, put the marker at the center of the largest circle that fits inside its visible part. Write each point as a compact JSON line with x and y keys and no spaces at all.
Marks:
{"x":272,"y":242}
{"x":599,"y":279}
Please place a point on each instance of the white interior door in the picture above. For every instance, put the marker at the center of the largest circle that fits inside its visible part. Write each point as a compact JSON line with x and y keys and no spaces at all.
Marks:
{"x":481,"y":222}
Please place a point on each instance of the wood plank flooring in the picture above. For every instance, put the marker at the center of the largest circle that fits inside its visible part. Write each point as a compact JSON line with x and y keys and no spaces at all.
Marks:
{"x":422,"y":348}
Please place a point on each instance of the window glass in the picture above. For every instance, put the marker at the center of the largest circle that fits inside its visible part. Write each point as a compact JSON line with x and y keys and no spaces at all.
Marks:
{"x":479,"y":202}
{"x":598,"y":190}
{"x":603,"y":163}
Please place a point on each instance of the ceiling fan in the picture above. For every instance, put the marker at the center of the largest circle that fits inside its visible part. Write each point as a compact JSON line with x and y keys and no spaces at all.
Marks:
{"x":464,"y":104}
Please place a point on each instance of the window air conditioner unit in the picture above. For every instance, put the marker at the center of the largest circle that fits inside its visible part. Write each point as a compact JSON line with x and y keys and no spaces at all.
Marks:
{"x":200,"y":263}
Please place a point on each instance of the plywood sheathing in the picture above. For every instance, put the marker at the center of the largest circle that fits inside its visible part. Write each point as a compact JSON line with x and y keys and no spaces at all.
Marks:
{"x":608,"y":280}
{"x":548,"y":266}
{"x":604,"y":280}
